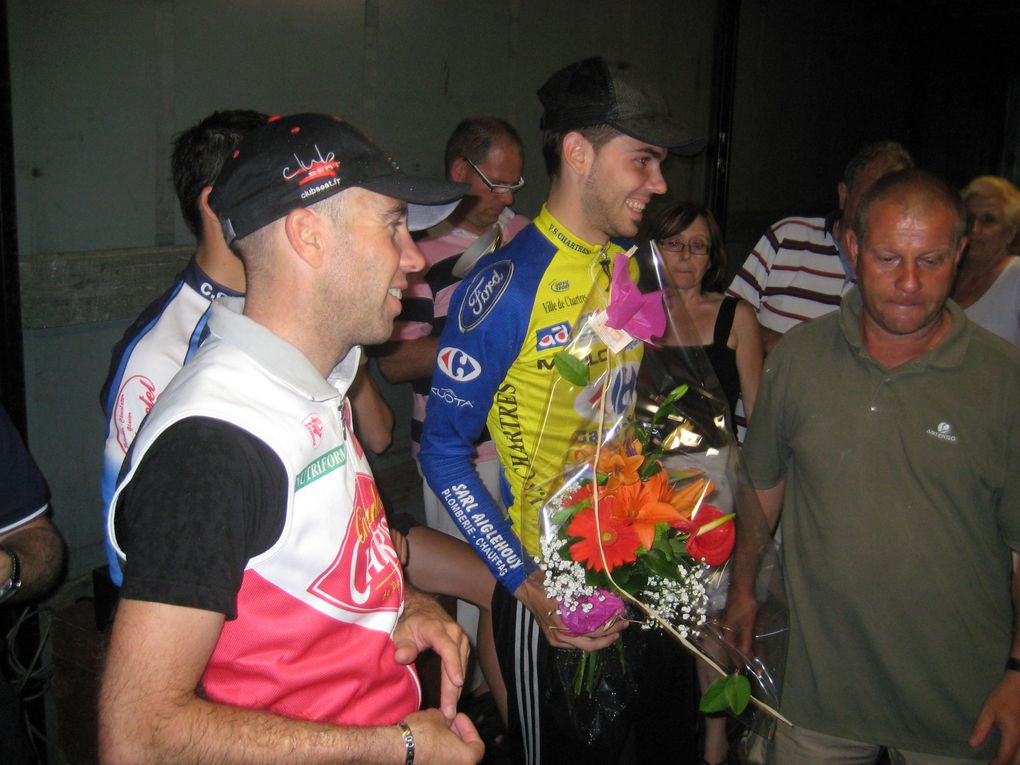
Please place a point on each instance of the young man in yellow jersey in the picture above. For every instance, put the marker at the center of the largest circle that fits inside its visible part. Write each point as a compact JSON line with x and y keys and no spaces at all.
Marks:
{"x":606,"y":133}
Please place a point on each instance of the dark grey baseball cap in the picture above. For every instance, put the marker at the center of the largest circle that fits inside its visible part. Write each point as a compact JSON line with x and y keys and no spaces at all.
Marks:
{"x":599,"y":92}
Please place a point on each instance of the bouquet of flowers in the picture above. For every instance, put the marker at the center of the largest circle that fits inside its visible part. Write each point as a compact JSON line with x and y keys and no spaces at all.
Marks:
{"x":641,"y":521}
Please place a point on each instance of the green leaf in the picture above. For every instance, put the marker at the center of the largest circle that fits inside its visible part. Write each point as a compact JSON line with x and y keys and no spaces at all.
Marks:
{"x":714,"y":698}
{"x":666,"y":407}
{"x":662,"y":541}
{"x":651,"y":466}
{"x":643,"y":435}
{"x":595,"y":578}
{"x":571,"y":368}
{"x":674,"y":395}
{"x":564,"y":515}
{"x":738,"y":693}
{"x":676,"y":548}
{"x":730,"y":693}
{"x":659,"y":564}
{"x":579,"y":675}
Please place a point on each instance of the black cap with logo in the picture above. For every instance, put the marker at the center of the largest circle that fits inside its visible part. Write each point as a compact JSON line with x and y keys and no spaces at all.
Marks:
{"x":299,"y":160}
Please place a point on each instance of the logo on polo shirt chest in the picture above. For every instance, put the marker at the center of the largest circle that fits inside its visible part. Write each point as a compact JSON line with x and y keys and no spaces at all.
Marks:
{"x":944,"y":431}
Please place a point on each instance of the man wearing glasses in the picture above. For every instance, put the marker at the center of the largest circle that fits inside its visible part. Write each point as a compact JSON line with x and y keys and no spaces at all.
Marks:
{"x":487,"y":154}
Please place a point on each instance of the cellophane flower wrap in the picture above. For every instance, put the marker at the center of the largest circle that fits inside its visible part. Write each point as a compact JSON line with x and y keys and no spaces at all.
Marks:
{"x":642,"y":519}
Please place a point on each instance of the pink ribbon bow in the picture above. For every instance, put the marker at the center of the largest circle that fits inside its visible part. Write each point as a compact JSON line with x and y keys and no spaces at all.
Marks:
{"x":641,"y":316}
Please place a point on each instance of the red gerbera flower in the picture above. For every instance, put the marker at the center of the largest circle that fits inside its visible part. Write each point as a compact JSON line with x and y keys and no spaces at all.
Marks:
{"x":616,"y":537}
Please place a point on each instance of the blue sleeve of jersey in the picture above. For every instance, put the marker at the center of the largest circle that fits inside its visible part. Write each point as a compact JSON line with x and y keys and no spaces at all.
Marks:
{"x":483,"y":335}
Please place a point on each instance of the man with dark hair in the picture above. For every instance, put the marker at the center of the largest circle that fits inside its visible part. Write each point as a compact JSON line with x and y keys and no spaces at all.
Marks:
{"x":167,"y":332}
{"x":199,"y":153}
{"x":507,"y":320}
{"x":264,"y":616}
{"x":888,"y":435}
{"x":799,"y":269}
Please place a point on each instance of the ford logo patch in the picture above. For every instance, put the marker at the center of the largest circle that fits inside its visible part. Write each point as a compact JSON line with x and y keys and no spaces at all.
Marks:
{"x":483,"y":293}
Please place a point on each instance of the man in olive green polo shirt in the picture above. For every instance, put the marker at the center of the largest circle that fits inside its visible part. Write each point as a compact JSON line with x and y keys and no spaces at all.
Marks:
{"x":889,"y":435}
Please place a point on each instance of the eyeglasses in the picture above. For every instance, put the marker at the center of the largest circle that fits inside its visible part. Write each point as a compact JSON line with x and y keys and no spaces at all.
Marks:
{"x":696,"y":247}
{"x":497,"y":188}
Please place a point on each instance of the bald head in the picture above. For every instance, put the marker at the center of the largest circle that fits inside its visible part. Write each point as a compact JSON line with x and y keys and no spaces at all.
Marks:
{"x":916,"y":192}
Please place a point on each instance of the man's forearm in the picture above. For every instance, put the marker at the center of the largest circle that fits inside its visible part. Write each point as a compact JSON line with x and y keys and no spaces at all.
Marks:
{"x":149,"y":710}
{"x":407,"y":360}
{"x":197,"y":731}
{"x":40,"y":552}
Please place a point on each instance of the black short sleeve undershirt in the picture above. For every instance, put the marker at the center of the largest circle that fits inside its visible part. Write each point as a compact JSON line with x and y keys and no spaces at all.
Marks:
{"x":206,"y":498}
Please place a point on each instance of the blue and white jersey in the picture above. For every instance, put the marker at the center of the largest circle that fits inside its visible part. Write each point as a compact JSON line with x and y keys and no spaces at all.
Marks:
{"x":153,"y":349}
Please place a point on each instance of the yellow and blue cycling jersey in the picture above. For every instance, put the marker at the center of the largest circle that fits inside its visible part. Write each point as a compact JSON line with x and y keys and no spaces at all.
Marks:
{"x":520,"y":306}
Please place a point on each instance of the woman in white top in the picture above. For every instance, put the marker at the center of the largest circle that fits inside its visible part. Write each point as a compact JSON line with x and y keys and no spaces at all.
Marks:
{"x":988,"y":283}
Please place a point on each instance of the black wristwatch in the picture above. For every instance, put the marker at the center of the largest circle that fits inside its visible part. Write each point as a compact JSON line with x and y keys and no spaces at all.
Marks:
{"x":1013,"y":664}
{"x":13,"y":583}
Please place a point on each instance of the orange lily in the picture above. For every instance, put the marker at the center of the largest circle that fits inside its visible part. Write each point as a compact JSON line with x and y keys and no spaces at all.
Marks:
{"x":684,"y":499}
{"x":621,"y":468}
{"x":646,"y":506}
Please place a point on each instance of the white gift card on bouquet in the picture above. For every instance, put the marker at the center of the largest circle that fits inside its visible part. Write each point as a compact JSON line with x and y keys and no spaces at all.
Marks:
{"x":615,"y":339}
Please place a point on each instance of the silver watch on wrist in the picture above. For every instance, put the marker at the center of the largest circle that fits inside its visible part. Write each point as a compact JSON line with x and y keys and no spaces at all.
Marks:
{"x":13,"y":582}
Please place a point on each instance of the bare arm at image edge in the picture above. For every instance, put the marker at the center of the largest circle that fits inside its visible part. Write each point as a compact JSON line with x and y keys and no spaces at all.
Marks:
{"x":40,"y":553}
{"x":1001,"y":709}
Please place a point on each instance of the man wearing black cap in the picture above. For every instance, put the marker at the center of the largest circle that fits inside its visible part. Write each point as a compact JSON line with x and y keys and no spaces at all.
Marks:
{"x":605,"y":135}
{"x":263,"y":616}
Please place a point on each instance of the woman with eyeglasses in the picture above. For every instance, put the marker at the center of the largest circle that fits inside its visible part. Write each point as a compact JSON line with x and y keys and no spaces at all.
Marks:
{"x":694,"y":265}
{"x":694,"y":259}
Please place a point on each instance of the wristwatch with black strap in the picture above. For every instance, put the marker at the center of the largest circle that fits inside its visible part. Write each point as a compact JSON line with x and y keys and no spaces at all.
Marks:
{"x":13,"y":583}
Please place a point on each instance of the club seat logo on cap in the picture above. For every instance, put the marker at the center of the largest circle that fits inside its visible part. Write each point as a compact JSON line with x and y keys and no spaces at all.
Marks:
{"x":314,"y":169}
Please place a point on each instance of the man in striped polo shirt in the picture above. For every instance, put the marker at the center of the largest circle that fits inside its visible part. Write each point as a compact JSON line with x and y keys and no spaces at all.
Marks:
{"x":488,"y":155}
{"x":799,"y":269}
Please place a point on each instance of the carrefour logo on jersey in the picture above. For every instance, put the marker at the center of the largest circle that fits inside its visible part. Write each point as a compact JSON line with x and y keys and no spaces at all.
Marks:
{"x":552,"y":337}
{"x":485,"y":290}
{"x":457,"y":365}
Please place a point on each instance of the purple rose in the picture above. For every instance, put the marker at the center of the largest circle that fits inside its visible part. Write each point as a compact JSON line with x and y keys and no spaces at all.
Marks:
{"x":603,"y":607}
